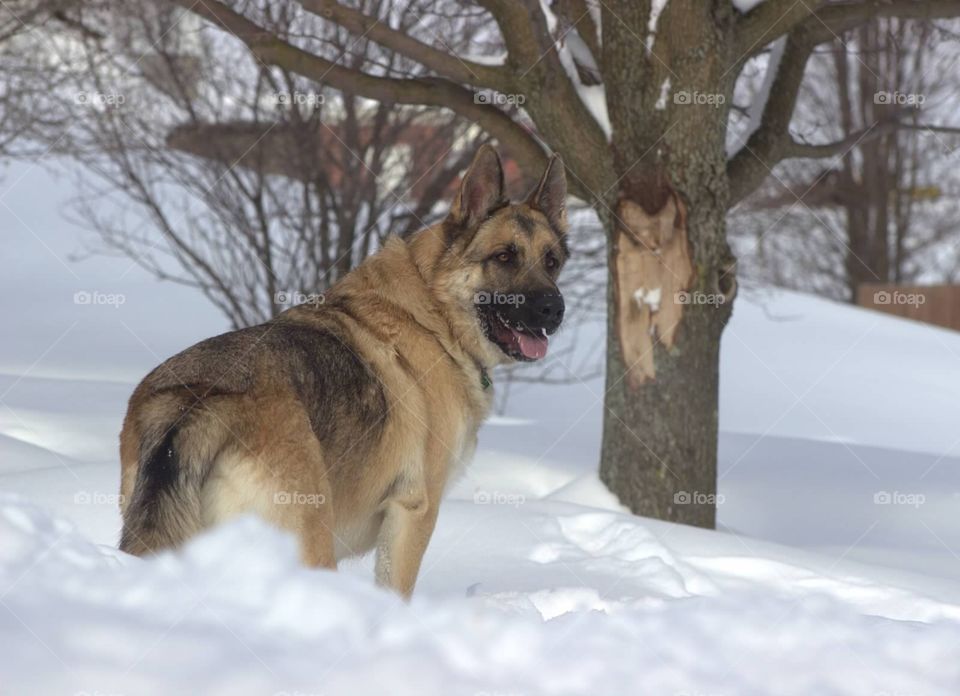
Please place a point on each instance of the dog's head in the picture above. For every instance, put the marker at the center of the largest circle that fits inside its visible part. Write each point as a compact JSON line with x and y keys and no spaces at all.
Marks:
{"x":499,"y":268}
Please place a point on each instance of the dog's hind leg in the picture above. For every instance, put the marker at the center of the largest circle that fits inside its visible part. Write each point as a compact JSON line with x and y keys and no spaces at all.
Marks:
{"x":303,"y":501}
{"x":277,"y":471}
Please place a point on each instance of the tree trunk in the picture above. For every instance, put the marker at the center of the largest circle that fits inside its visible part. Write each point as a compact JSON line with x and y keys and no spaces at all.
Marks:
{"x":670,"y":269}
{"x":659,"y":452}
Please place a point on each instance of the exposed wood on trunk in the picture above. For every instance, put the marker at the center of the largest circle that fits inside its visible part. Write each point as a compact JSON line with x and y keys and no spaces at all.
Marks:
{"x":653,"y":271}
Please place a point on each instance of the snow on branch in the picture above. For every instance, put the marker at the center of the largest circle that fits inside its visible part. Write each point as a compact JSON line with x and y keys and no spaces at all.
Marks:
{"x":575,"y":57}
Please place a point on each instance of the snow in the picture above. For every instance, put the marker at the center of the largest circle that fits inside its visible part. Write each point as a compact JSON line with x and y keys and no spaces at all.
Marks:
{"x":593,"y":96}
{"x":497,"y":60}
{"x":664,"y":95}
{"x":214,"y":620}
{"x":745,"y":6}
{"x":596,"y":14}
{"x":826,"y":372}
{"x":656,"y":9}
{"x":834,"y":571}
{"x":549,"y":17}
{"x":650,"y":297}
{"x":218,"y":621}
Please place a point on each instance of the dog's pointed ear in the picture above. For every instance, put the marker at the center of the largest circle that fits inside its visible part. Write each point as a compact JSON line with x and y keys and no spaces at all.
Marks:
{"x":550,"y":195}
{"x":481,"y":189}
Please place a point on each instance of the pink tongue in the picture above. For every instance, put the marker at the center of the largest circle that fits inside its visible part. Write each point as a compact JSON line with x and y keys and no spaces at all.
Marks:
{"x":532,"y":347}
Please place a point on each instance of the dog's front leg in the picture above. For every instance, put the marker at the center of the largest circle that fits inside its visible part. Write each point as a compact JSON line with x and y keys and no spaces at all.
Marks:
{"x":408,"y":522}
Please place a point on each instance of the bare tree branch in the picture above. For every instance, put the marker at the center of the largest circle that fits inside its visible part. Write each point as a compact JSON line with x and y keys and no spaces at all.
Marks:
{"x":793,"y":148}
{"x":949,"y":130}
{"x":423,"y":91}
{"x":770,"y":20}
{"x":823,"y":22}
{"x":834,"y":19}
{"x":552,"y":97}
{"x":440,"y":62}
{"x":750,"y":165}
{"x":525,"y":44}
{"x":771,"y":141}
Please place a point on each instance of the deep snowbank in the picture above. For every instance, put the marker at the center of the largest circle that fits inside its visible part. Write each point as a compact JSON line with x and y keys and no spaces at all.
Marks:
{"x":235,"y":614}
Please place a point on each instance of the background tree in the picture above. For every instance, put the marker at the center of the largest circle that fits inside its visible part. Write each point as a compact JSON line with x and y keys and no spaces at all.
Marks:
{"x":251,"y":183}
{"x":883,"y":211}
{"x":30,"y":75}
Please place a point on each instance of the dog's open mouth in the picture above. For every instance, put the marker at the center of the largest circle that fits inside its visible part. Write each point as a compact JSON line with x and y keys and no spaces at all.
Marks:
{"x":515,"y":339}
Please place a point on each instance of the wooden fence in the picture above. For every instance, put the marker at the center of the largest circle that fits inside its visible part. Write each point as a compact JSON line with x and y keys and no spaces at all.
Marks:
{"x":933,"y":304}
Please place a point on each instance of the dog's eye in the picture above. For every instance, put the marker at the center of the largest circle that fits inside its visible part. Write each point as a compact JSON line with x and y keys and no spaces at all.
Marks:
{"x":504,"y":257}
{"x":551,"y":261}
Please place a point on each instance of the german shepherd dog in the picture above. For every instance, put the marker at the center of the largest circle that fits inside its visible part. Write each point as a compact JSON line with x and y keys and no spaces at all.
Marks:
{"x":343,"y":421}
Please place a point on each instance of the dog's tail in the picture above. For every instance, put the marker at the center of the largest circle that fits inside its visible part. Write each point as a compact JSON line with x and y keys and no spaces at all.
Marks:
{"x":176,"y":452}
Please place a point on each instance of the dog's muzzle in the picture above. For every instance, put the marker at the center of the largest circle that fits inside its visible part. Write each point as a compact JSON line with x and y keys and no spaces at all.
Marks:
{"x":520,"y":324}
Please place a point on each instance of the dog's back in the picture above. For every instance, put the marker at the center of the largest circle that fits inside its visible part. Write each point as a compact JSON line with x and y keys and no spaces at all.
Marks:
{"x":216,"y":398}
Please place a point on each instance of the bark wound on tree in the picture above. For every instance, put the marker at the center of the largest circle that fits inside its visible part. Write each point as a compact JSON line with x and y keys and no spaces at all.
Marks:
{"x":653,"y":265}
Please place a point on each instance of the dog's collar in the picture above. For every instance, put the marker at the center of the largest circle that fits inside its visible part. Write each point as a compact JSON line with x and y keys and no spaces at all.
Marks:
{"x":485,"y":380}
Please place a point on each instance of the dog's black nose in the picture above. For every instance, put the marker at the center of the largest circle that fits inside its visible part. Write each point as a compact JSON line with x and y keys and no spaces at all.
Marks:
{"x":546,"y":310}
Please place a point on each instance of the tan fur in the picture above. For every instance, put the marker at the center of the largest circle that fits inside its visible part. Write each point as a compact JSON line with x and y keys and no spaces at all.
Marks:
{"x":407,"y":315}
